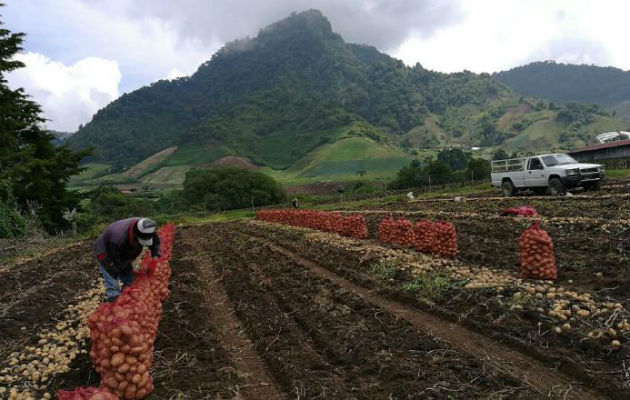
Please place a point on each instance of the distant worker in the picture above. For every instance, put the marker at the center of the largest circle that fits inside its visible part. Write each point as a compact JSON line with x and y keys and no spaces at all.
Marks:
{"x":410,"y":196}
{"x":118,"y":246}
{"x":296,"y":203}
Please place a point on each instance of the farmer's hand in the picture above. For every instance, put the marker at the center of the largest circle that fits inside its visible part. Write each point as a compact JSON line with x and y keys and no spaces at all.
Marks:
{"x":156,"y":255}
{"x":136,"y":265}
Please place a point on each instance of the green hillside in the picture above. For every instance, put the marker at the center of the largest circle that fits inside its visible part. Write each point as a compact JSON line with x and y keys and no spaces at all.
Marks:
{"x":303,"y":105}
{"x":349,"y":156}
{"x":277,"y":97}
{"x":565,"y":83}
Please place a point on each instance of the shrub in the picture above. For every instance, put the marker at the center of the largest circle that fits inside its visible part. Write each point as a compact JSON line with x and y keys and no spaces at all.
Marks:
{"x":231,"y":188}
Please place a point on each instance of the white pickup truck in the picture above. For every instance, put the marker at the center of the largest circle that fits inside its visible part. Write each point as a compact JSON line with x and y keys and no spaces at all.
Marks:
{"x":549,"y":172}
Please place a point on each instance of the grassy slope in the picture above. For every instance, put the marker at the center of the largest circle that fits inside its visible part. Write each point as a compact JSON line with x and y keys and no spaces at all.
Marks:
{"x":170,"y":175}
{"x":91,"y":170}
{"x":341,"y":160}
{"x":545,"y":133}
{"x":149,"y":163}
{"x":193,"y":154}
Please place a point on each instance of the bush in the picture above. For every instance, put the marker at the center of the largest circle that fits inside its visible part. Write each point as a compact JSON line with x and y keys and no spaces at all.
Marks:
{"x":231,"y":188}
{"x":478,"y":169}
{"x":11,"y":222}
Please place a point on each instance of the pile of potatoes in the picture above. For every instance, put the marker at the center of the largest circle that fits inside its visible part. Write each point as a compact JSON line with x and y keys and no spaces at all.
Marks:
{"x":537,"y":257}
{"x":445,"y":242}
{"x":123,"y":332}
{"x":424,"y":232}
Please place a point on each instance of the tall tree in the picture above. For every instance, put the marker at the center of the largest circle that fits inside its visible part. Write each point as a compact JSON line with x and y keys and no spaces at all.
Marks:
{"x":455,"y":158}
{"x":37,"y":171}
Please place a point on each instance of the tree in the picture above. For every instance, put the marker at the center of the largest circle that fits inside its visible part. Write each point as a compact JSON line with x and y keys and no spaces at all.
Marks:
{"x":230,"y":188}
{"x":11,"y":222}
{"x":37,"y":171}
{"x":455,"y":158}
{"x":500,"y":154}
{"x":478,"y":169}
{"x":439,"y":172}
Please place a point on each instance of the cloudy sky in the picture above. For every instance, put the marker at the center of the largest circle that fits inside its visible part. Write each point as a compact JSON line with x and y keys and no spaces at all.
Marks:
{"x":82,"y":54}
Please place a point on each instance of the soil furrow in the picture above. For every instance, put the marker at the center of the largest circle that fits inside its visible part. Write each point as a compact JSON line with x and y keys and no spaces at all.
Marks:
{"x":33,"y":293}
{"x":191,"y":361}
{"x":258,"y":383}
{"x":524,"y":368}
{"x":377,"y":354}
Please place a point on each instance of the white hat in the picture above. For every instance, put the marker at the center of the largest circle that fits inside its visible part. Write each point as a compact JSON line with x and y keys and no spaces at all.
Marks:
{"x":146,"y":228}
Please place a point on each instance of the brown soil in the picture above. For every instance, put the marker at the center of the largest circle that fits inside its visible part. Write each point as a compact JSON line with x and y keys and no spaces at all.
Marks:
{"x":321,"y":340}
{"x":521,"y":367}
{"x":582,"y":249}
{"x":480,"y":310}
{"x":210,"y":314}
{"x":33,"y":293}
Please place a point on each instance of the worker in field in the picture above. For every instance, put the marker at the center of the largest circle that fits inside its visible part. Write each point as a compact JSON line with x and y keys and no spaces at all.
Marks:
{"x":296,"y":203}
{"x":118,"y":247}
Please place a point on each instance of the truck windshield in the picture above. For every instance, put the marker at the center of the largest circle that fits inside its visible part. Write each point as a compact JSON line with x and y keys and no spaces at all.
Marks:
{"x":558,"y":159}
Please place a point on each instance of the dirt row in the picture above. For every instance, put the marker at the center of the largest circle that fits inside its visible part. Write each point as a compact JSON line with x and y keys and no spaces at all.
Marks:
{"x":320,"y":340}
{"x":488,"y":311}
{"x":593,"y":257}
{"x":33,"y":294}
{"x":610,"y":207}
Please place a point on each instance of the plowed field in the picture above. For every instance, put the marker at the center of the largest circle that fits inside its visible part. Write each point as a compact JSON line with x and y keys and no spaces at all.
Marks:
{"x":266,"y":311}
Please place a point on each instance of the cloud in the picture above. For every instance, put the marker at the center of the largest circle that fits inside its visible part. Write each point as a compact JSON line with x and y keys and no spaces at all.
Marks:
{"x":146,"y":47}
{"x":163,"y":39}
{"x":174,"y":74}
{"x":382,"y":23}
{"x":494,"y":36}
{"x":69,"y":95}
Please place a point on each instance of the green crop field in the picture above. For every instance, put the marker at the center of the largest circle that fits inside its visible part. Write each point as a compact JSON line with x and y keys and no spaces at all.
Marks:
{"x":191,"y":155}
{"x":91,"y":170}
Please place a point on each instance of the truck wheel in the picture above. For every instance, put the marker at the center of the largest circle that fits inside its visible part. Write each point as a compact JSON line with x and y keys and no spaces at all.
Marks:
{"x":507,"y":188}
{"x":556,"y":187}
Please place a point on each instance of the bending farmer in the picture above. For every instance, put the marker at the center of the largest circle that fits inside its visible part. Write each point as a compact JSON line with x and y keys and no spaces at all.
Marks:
{"x":118,"y":246}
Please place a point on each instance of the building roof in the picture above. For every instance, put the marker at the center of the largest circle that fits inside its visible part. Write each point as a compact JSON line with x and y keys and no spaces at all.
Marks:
{"x":599,"y":146}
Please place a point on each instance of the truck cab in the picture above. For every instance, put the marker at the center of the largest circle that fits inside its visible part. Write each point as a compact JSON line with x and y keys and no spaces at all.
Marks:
{"x":554,"y":173}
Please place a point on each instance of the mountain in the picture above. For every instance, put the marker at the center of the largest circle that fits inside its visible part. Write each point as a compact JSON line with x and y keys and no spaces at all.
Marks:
{"x":565,"y":83}
{"x":291,"y":97}
{"x":278,"y":96}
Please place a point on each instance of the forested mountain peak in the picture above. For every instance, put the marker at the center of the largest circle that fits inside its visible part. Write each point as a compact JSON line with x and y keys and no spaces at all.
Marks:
{"x":565,"y":83}
{"x":296,"y":86}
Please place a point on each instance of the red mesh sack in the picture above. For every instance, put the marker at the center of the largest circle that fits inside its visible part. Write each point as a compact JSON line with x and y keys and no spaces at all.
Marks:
{"x":123,"y":332}
{"x":445,"y":243}
{"x":424,"y":236}
{"x":352,"y":225}
{"x":122,"y":352}
{"x":86,"y":393}
{"x":537,"y":256}
{"x":387,"y":230}
{"x":523,"y":211}
{"x":403,"y":233}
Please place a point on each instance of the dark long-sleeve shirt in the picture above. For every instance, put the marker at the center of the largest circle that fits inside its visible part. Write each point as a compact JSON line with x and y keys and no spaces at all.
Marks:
{"x":117,"y":246}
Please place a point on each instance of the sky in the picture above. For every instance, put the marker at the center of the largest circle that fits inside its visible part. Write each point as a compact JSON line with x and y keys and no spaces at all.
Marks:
{"x":82,"y":54}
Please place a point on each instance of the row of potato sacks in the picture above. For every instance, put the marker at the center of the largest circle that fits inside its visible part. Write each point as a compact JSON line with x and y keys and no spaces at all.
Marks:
{"x":123,"y":332}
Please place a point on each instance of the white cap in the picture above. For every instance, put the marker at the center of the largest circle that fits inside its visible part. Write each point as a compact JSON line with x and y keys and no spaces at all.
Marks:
{"x":146,"y":226}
